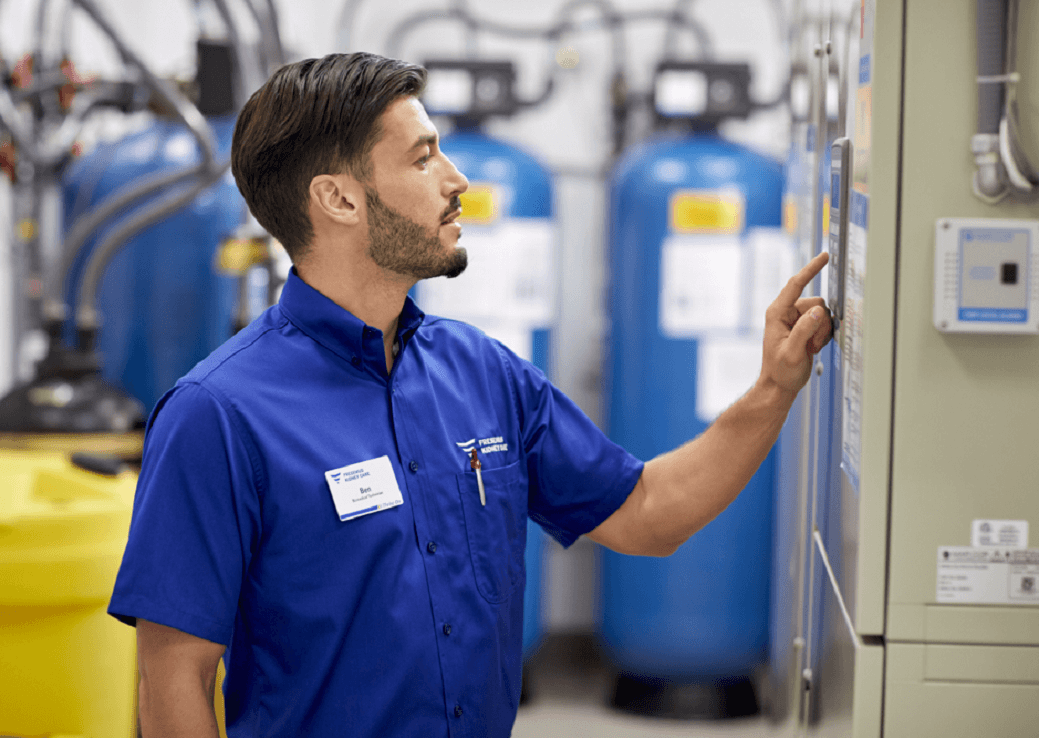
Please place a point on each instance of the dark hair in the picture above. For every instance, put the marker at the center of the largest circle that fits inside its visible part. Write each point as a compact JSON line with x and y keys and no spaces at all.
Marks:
{"x":317,"y":116}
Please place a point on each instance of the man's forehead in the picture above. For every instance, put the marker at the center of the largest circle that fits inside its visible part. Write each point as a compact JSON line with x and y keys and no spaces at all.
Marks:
{"x":405,"y":125}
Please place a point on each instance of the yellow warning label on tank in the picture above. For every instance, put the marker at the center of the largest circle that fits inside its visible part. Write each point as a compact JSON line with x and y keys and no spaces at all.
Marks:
{"x":790,"y":215}
{"x":27,"y":229}
{"x":236,"y":255}
{"x":704,"y":211}
{"x":479,"y":204}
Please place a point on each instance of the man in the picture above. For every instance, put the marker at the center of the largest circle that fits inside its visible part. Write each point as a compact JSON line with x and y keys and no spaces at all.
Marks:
{"x":316,"y":504}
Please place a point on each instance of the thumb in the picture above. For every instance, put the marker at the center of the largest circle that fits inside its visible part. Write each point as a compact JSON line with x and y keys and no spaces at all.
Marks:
{"x":804,"y":330}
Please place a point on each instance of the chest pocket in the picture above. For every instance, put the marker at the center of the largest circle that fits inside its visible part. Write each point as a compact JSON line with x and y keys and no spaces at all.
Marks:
{"x":497,"y":531}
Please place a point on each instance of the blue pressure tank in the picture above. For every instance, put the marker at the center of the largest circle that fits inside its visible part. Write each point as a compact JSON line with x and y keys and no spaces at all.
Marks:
{"x":685,"y":214}
{"x":163,"y":304}
{"x":508,"y":289}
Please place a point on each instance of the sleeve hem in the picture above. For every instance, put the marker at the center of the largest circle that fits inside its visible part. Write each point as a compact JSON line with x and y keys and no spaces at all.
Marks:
{"x":609,"y":504}
{"x":130,"y":609}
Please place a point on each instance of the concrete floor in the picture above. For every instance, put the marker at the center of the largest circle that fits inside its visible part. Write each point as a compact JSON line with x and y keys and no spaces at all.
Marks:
{"x":569,"y":687}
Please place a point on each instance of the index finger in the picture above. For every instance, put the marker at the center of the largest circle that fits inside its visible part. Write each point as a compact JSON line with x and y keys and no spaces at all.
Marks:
{"x":793,"y":289}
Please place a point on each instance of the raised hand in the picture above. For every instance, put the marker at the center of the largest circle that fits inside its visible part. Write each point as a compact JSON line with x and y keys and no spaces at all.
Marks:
{"x":796,"y":328}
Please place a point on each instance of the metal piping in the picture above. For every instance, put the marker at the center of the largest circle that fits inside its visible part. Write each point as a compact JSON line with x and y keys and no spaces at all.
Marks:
{"x":1022,"y":175}
{"x":13,"y":122}
{"x":86,"y":315}
{"x":990,"y":182}
{"x":186,"y":112}
{"x":42,"y":13}
{"x":396,"y":38}
{"x":611,"y":18}
{"x":275,"y":33}
{"x":85,"y":226}
{"x":347,"y":21}
{"x":183,"y":110}
{"x":238,"y":91}
{"x":272,"y":55}
{"x":671,"y":35}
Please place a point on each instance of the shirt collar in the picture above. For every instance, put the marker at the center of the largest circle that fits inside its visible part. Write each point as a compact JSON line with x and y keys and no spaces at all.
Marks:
{"x":337,"y":328}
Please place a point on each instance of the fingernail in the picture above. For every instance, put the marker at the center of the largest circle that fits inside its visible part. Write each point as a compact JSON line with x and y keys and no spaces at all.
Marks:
{"x":817,"y":314}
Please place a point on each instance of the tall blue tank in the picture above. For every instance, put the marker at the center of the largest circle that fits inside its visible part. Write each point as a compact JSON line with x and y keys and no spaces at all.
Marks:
{"x":506,"y":292}
{"x":163,"y":305}
{"x":681,"y":209}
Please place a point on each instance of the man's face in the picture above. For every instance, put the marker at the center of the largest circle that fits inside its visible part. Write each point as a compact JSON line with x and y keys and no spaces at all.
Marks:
{"x":412,"y":200}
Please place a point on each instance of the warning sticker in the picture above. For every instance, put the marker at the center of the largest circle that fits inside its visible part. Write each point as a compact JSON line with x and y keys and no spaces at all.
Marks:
{"x":988,"y":575}
{"x":480,"y":203}
{"x":1001,"y":533}
{"x":707,"y":211}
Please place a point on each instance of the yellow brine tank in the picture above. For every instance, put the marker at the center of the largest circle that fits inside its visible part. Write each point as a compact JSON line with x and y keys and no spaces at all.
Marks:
{"x":66,"y":666}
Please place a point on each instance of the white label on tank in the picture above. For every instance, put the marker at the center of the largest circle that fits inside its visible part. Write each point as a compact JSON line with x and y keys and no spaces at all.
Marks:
{"x":700,"y":284}
{"x":774,"y":256}
{"x":510,"y":276}
{"x":515,"y":335}
{"x":726,"y":369}
{"x":1001,"y":533}
{"x":988,"y":575}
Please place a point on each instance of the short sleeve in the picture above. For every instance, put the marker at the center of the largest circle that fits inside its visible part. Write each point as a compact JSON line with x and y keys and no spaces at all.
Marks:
{"x":196,"y":520}
{"x":578,"y":476}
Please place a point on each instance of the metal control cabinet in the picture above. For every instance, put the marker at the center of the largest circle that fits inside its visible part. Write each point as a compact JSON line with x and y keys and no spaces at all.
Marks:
{"x":906,"y":435}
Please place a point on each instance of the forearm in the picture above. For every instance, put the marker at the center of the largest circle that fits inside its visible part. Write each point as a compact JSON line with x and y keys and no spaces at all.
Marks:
{"x":681,"y":491}
{"x":685,"y":489}
{"x":177,"y":707}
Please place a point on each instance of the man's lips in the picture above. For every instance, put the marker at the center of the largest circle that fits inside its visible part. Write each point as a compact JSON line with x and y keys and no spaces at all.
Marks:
{"x":451,"y":217}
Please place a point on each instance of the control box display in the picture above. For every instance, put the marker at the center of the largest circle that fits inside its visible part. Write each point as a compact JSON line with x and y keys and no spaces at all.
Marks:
{"x":985,"y":276}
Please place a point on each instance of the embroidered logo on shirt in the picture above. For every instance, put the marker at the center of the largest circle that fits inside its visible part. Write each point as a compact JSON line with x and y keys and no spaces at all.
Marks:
{"x":491,"y":445}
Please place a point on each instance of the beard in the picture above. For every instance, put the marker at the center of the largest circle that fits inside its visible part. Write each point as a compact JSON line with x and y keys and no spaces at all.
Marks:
{"x":402,"y":246}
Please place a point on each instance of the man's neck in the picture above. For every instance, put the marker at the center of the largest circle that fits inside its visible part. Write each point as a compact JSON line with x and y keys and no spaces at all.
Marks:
{"x":367,"y":291}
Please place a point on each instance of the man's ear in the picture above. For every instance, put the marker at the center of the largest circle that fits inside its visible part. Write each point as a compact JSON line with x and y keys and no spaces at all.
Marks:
{"x":337,"y":197}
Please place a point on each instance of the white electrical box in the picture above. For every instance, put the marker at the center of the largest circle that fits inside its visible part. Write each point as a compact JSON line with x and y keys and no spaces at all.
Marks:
{"x":985,"y":276}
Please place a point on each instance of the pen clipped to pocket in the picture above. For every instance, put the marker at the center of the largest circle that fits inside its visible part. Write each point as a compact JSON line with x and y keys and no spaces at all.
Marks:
{"x":474,"y":463}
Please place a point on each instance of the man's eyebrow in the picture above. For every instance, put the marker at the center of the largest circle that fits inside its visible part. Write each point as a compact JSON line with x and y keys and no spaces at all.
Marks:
{"x":428,"y":140}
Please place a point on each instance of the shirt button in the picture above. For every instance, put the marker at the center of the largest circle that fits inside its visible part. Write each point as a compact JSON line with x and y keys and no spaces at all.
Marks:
{"x":356,"y":361}
{"x":458,"y":711}
{"x":447,"y":629}
{"x":413,"y":466}
{"x":431,"y":547}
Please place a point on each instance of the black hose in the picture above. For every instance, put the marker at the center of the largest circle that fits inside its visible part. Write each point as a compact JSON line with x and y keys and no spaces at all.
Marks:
{"x":992,"y":19}
{"x":86,"y":316}
{"x":83,"y":228}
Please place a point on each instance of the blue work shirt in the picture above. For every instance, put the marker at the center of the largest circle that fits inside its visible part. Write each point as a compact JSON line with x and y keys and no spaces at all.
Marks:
{"x":404,"y":622}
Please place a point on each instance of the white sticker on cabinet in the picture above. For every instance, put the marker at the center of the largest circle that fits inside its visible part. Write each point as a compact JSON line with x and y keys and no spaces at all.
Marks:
{"x":988,"y":575}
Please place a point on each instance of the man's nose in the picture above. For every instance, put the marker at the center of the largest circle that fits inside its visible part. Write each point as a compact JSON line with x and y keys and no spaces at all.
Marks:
{"x":457,"y":182}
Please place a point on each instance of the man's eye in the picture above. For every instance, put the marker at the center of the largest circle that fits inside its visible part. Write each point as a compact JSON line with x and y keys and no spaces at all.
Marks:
{"x":424,"y":159}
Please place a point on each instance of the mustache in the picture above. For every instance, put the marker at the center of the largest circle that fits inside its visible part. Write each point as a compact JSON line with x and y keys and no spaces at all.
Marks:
{"x":456,"y":203}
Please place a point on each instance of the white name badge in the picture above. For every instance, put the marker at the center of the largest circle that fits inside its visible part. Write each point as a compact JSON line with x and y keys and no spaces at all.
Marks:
{"x":364,"y":487}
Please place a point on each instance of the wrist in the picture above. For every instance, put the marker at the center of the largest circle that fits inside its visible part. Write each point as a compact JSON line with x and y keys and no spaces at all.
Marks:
{"x":768,"y":392}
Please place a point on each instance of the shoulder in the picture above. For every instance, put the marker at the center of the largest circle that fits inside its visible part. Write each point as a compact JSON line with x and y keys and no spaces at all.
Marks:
{"x":454,"y":340}
{"x":456,"y":331}
{"x":463,"y":352}
{"x":253,"y":337}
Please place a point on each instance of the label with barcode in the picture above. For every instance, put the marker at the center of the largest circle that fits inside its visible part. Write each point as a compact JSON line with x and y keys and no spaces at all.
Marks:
{"x":989,"y":575}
